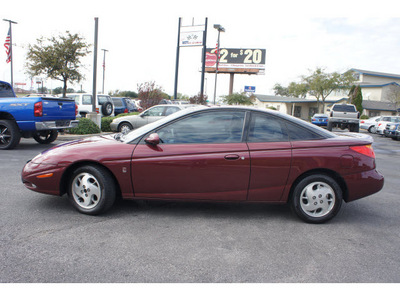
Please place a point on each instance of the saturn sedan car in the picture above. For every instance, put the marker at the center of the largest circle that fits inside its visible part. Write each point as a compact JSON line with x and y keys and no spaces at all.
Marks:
{"x":150,"y":115}
{"x":224,"y":154}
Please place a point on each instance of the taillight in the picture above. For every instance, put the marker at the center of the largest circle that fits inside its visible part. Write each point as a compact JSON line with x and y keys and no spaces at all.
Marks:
{"x":76,"y":110}
{"x":365,"y":150}
{"x":126,"y":111}
{"x":38,"y":109}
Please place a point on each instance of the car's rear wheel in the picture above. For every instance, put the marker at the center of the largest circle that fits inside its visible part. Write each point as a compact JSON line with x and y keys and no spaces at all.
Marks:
{"x":372,"y":129}
{"x":46,"y":136}
{"x":316,"y":198}
{"x":9,"y":134}
{"x":91,"y":190}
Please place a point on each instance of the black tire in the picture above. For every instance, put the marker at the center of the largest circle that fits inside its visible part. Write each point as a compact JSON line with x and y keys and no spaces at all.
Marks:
{"x":45,"y":136}
{"x":316,"y":198}
{"x":9,"y":134}
{"x":106,"y":109}
{"x":329,"y":126}
{"x":124,"y":125}
{"x":372,"y":129}
{"x":91,"y":190}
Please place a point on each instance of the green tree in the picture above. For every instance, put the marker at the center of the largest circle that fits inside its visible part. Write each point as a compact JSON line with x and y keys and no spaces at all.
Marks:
{"x":58,"y":58}
{"x":150,"y":94}
{"x":59,"y":90}
{"x":297,"y":90}
{"x":239,"y":99}
{"x":321,"y":84}
{"x":281,"y":90}
{"x":355,"y":96}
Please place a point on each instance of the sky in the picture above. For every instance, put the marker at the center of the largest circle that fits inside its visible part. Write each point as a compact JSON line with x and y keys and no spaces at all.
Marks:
{"x":141,"y":39}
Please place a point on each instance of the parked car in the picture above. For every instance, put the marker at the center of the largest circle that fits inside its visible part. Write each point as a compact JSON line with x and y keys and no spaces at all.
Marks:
{"x":390,"y":130}
{"x":370,"y":124}
{"x":123,"y":105}
{"x":150,"y":115}
{"x":38,"y":117}
{"x":319,"y":119}
{"x":231,"y":154}
{"x":397,"y":134}
{"x":384,"y":120}
{"x":104,"y":104}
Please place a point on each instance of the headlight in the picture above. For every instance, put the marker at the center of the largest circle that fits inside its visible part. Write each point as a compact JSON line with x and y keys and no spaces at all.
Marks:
{"x":392,"y":127}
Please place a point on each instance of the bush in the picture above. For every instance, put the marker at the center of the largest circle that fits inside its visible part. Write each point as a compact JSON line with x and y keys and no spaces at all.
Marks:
{"x":85,"y":126}
{"x":364,"y":117}
{"x":105,"y":124}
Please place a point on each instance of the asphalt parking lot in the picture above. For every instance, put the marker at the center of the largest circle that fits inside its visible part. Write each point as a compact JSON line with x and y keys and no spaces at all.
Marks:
{"x":43,"y":239}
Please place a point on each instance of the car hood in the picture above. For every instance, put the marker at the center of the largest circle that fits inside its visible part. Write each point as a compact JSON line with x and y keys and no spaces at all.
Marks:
{"x":96,"y":149}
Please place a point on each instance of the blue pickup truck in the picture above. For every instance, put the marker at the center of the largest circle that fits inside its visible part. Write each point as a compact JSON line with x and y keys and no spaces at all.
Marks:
{"x":37,"y":117}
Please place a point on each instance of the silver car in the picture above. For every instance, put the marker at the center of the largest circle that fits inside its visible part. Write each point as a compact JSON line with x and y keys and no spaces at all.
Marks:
{"x":370,"y":124}
{"x":150,"y":115}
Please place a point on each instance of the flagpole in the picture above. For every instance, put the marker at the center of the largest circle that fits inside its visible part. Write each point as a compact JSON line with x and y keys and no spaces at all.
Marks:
{"x":11,"y":22}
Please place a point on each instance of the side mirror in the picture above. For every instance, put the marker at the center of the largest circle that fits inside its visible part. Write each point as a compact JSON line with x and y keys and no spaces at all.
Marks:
{"x":152,"y":139}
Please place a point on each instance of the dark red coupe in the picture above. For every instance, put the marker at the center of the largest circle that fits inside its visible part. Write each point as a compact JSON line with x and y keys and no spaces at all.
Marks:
{"x":232,"y":154}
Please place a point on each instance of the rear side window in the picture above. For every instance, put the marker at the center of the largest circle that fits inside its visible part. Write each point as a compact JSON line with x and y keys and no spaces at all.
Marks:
{"x":265,"y":128}
{"x":171,"y":110}
{"x":86,"y":99}
{"x":117,"y":102}
{"x":103,"y":99}
{"x":299,"y":133}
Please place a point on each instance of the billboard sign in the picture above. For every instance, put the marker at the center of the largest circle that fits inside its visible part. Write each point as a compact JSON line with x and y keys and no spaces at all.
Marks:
{"x":239,"y":58}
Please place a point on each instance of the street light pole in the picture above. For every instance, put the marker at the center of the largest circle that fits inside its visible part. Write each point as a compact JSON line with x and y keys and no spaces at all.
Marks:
{"x":104,"y":67}
{"x":10,"y":49}
{"x":220,"y":29}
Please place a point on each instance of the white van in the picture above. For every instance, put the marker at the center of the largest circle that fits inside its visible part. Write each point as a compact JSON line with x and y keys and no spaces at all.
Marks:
{"x":104,"y":104}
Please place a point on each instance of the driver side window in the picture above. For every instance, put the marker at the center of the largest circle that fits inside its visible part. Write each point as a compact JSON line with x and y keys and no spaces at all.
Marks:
{"x":205,"y":128}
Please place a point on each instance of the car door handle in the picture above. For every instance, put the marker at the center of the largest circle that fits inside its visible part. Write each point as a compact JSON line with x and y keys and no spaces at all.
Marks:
{"x":232,"y":157}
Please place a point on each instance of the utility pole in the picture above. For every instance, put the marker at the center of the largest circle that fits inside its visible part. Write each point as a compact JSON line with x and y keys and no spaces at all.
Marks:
{"x":96,"y":35}
{"x":9,"y":58}
{"x":203,"y":65}
{"x":104,"y":67}
{"x":177,"y":61}
{"x":220,"y":29}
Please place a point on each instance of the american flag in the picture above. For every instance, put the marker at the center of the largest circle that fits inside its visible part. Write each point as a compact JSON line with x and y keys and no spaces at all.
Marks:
{"x":8,"y":46}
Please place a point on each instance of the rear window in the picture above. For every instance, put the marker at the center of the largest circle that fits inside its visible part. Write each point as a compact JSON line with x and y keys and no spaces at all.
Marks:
{"x":344,"y":108}
{"x":6,"y":91}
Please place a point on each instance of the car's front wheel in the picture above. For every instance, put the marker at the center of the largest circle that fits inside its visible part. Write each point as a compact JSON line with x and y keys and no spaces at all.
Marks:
{"x":91,"y":190}
{"x":316,"y":198}
{"x":125,"y":127}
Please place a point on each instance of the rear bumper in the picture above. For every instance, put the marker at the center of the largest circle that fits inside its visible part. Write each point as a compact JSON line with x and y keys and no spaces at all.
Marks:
{"x":363,"y":184}
{"x":51,"y":125}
